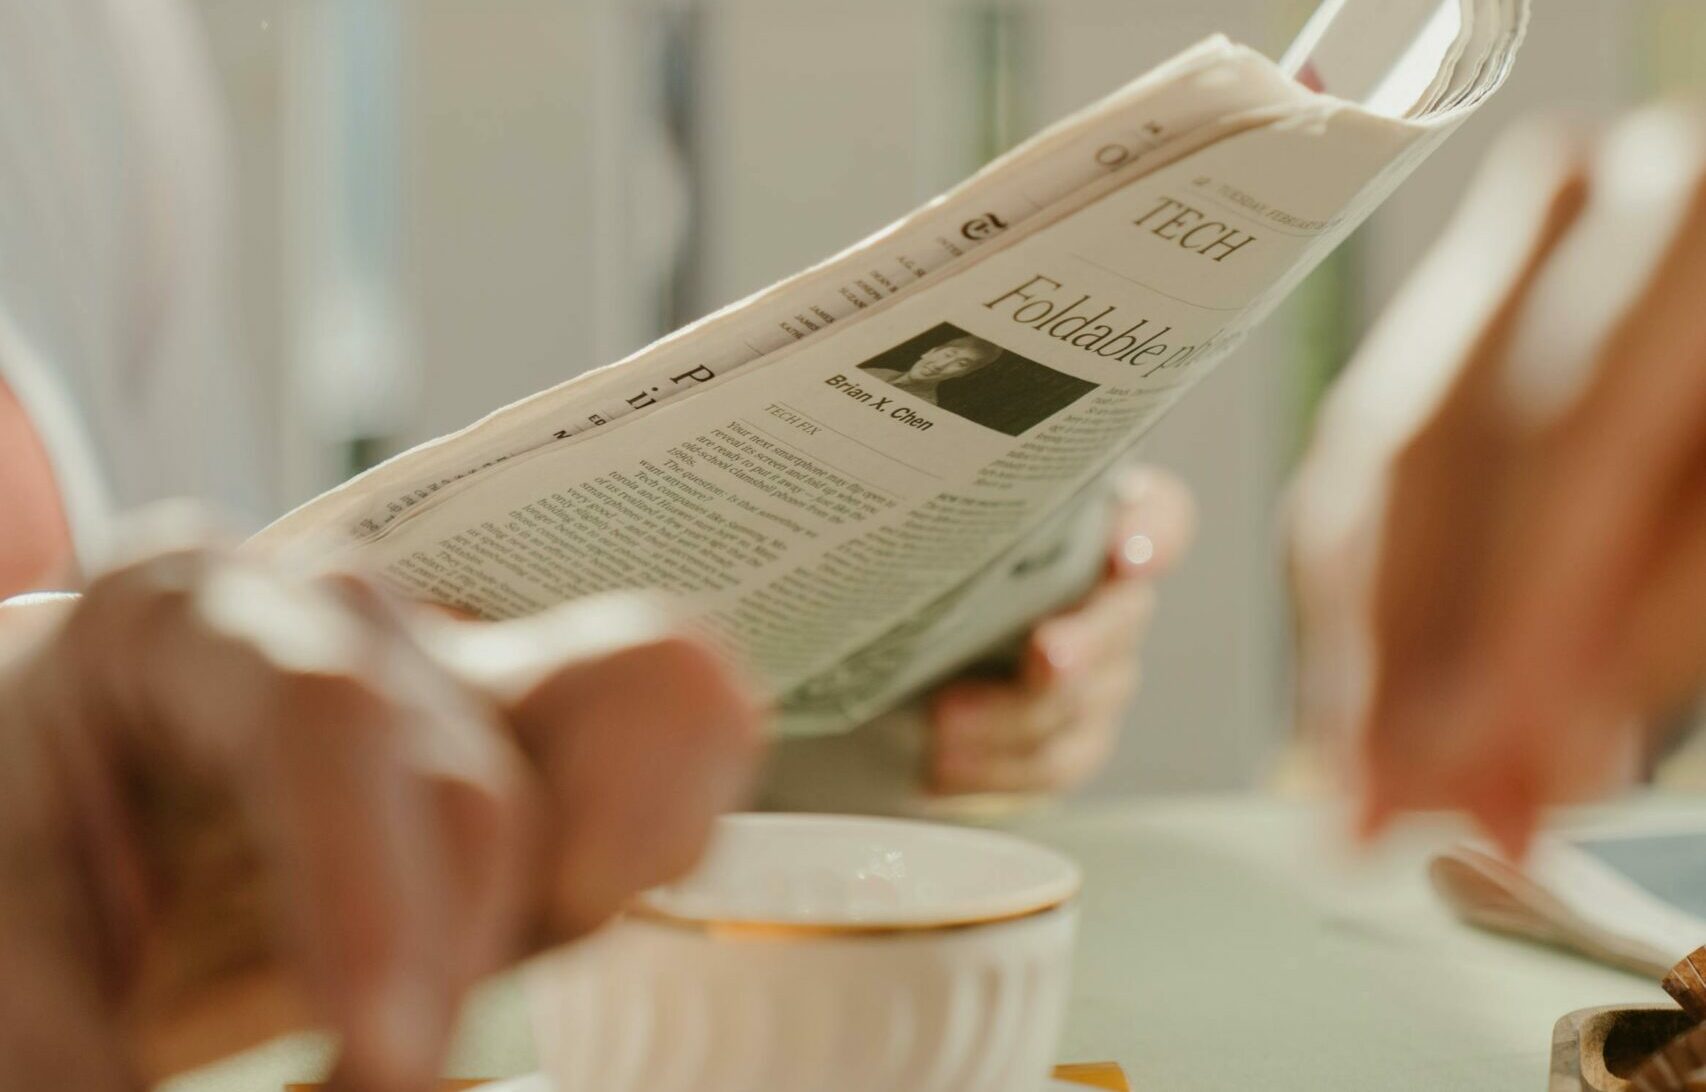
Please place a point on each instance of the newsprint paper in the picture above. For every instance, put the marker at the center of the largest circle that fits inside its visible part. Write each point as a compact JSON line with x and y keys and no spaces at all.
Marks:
{"x":863,"y":477}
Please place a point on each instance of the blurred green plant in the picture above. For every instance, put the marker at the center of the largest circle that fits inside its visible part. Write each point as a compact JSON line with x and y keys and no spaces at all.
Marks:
{"x":1324,"y":316}
{"x":1001,"y":37}
{"x":1669,"y":48}
{"x":1326,"y":322}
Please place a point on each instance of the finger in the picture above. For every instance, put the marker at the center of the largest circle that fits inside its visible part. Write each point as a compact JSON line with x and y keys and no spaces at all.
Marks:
{"x":1331,"y":580}
{"x":1153,"y":522}
{"x":540,"y":670}
{"x":57,"y":1025}
{"x":1621,"y":405}
{"x":485,"y":800}
{"x":978,"y":717}
{"x":378,"y":790}
{"x":510,"y":660}
{"x":1380,"y":516}
{"x":1508,"y":808}
{"x":1423,"y":752}
{"x":1587,"y":760}
{"x":364,"y":889}
{"x":1106,"y":626}
{"x":1502,"y":775}
{"x":1503,"y":795}
{"x":641,"y":749}
{"x":1063,"y":761}
{"x":282,"y":687}
{"x":1664,"y":663}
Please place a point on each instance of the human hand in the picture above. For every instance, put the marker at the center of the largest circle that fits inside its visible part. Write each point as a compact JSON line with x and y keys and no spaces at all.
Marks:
{"x":203,"y":741}
{"x":1500,"y":532}
{"x":1053,"y":726}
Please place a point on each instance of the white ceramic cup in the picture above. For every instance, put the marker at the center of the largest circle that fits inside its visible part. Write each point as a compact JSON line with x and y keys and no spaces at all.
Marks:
{"x":823,"y":952}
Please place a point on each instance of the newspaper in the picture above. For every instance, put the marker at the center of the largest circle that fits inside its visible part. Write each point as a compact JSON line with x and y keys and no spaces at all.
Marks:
{"x":1632,"y":897}
{"x":866,"y":475}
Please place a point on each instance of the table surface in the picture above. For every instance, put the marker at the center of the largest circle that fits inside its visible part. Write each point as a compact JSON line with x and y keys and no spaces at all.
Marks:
{"x":1232,"y":943}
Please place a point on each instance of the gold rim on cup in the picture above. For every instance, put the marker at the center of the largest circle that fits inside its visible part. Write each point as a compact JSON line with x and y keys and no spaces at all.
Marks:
{"x":738,"y":929}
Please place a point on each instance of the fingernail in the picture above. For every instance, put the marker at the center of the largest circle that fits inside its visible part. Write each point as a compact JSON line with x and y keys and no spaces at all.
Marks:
{"x":1138,"y":550}
{"x":1059,"y":652}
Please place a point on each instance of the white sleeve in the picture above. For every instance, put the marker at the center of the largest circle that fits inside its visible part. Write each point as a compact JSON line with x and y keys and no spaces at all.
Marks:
{"x":113,"y":205}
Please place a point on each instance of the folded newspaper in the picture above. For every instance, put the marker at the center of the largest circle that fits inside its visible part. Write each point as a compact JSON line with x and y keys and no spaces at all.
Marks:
{"x":1634,"y":899}
{"x":865,"y":476}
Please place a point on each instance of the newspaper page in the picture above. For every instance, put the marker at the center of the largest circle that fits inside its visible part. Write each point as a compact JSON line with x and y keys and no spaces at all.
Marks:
{"x":1159,"y":117}
{"x":1630,"y":897}
{"x":854,"y":480}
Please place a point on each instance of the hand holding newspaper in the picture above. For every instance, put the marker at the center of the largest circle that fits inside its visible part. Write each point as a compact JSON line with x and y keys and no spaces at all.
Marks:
{"x":863,"y":477}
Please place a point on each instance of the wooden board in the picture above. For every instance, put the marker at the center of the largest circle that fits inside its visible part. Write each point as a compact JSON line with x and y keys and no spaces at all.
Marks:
{"x":1596,"y":1050}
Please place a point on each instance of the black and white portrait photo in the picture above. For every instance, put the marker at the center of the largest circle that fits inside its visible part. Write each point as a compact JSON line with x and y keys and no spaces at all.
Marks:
{"x":977,"y":379}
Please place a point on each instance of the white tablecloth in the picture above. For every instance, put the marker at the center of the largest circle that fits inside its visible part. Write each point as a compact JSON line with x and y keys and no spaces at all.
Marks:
{"x":1231,"y":943}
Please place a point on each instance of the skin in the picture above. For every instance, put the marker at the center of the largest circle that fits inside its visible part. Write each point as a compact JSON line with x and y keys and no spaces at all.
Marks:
{"x":413,"y":819}
{"x":946,"y":362}
{"x":1052,"y":727}
{"x":1494,"y":624}
{"x":35,"y":544}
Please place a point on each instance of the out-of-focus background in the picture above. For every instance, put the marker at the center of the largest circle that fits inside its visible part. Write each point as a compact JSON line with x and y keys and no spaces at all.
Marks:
{"x":448,"y":204}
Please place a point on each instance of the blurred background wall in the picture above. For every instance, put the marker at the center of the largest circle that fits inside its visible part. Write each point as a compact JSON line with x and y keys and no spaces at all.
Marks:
{"x":449,"y":204}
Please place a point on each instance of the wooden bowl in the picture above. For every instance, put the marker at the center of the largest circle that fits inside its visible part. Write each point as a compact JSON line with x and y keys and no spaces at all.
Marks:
{"x":1598,"y":1050}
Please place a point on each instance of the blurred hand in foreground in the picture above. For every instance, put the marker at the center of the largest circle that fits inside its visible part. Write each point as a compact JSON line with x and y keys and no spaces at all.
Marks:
{"x":1053,"y":726}
{"x":1500,"y":531}
{"x":420,"y":797}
